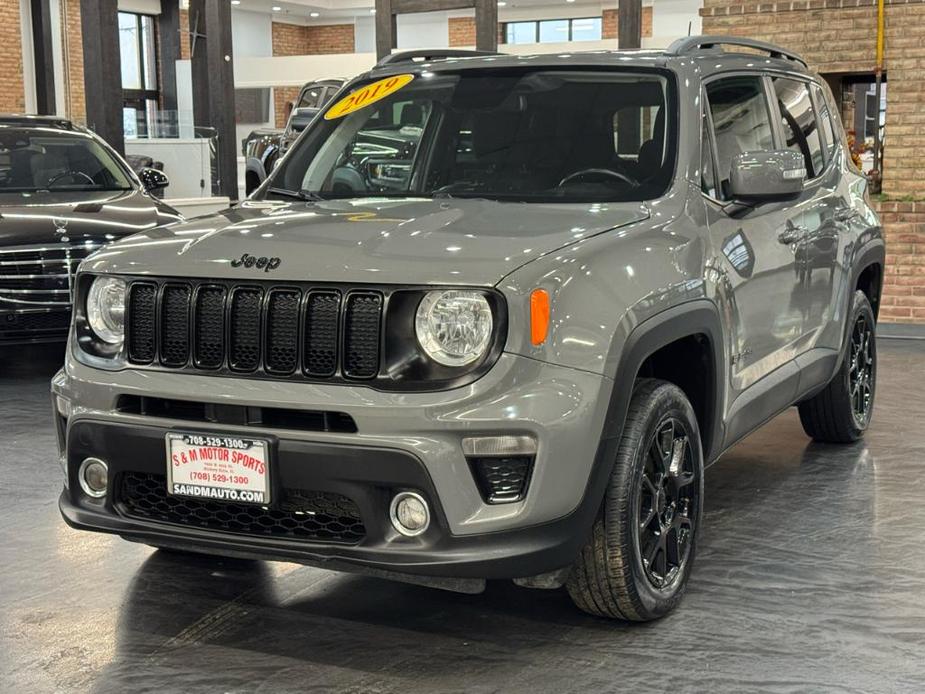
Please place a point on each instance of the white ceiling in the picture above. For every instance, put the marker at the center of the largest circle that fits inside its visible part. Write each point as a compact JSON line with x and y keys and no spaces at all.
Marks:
{"x":301,"y":11}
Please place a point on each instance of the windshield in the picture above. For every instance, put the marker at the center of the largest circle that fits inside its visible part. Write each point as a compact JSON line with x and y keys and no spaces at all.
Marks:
{"x":44,"y":160}
{"x":526,"y":135}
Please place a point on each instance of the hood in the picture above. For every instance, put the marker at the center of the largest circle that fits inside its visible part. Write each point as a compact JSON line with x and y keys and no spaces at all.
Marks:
{"x":42,"y":218}
{"x":384,"y":241}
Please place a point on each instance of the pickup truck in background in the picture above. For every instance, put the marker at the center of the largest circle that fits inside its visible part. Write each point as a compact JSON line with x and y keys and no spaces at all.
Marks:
{"x":264,"y":146}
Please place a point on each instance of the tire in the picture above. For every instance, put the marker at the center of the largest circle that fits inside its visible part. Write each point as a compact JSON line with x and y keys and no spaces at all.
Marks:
{"x":841,"y":412}
{"x":610,"y":578}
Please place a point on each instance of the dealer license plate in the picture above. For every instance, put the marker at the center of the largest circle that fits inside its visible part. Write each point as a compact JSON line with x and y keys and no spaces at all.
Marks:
{"x":222,"y":468}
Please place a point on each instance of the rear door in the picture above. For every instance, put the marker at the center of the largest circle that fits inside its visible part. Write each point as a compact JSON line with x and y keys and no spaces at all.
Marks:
{"x":755,"y":266}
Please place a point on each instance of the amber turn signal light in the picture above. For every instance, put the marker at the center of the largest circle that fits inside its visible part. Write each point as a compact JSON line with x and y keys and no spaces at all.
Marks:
{"x":539,"y":316}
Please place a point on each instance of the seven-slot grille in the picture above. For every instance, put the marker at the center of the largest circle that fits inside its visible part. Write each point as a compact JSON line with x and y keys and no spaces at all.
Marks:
{"x":316,"y":333}
{"x":39,"y":277}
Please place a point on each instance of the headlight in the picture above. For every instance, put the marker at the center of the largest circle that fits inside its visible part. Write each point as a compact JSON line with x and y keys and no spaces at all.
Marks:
{"x":106,"y":309}
{"x":454,"y":327}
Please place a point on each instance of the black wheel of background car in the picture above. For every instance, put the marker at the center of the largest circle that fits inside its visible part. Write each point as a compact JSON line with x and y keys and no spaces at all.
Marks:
{"x":842,"y":411}
{"x":636,"y":564}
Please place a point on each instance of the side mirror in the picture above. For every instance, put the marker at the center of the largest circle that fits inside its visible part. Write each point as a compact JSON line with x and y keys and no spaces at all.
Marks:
{"x":153,"y":180}
{"x":766,"y":175}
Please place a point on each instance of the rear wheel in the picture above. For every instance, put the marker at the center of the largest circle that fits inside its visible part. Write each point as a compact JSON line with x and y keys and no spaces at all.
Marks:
{"x":636,"y":564}
{"x":841,"y":412}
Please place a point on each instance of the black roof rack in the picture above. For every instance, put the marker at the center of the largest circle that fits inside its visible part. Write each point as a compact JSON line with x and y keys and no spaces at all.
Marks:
{"x":423,"y":56}
{"x":26,"y":120}
{"x":691,"y":44}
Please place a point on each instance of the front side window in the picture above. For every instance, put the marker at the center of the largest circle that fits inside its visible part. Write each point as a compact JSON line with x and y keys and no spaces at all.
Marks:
{"x":707,"y":173}
{"x":32,"y":161}
{"x":741,"y":121}
{"x":523,"y":134}
{"x":798,"y":119}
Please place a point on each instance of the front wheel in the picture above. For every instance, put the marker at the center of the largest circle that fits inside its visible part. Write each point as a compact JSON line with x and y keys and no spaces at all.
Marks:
{"x":636,"y":564}
{"x":841,"y":412}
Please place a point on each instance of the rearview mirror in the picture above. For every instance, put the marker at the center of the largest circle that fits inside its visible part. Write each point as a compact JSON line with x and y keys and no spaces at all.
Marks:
{"x":766,"y":175}
{"x":153,"y":180}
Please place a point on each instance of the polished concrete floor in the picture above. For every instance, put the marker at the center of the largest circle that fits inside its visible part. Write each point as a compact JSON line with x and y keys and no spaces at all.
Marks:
{"x":811,"y":578}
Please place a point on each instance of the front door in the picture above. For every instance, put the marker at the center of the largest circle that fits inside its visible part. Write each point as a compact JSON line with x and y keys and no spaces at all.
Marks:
{"x":755,"y":264}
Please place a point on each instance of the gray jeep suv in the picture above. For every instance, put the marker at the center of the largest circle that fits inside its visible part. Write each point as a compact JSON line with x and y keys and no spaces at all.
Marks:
{"x":490,"y":318}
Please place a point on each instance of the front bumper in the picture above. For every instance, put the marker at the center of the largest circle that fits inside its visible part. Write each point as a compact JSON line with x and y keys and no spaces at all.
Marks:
{"x":405,"y":441}
{"x":33,"y":327}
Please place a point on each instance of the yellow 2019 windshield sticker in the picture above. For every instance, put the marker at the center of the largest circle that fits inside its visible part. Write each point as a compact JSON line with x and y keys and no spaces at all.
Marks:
{"x":367,"y":95}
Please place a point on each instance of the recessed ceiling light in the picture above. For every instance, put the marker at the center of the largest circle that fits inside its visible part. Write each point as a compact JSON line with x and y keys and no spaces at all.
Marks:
{"x":373,"y":11}
{"x":501,"y":3}
{"x":314,"y":14}
{"x":276,"y":8}
{"x":235,"y":2}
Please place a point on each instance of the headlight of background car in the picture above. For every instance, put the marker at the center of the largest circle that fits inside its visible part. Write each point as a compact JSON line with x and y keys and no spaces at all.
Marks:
{"x":454,"y":327}
{"x":106,"y":309}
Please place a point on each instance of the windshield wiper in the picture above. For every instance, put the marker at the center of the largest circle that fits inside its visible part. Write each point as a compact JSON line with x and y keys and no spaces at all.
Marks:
{"x":297,"y":194}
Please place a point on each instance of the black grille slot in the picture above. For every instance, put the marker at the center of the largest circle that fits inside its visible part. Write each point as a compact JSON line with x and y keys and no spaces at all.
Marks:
{"x":361,"y":334}
{"x":502,"y":480}
{"x":299,"y":513}
{"x":141,"y":326}
{"x":282,"y":348}
{"x":322,"y":314}
{"x":174,"y":332}
{"x":244,"y":350}
{"x":210,"y":327}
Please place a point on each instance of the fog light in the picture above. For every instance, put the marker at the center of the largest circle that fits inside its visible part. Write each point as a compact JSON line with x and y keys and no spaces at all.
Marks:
{"x":94,"y":477}
{"x":409,"y":513}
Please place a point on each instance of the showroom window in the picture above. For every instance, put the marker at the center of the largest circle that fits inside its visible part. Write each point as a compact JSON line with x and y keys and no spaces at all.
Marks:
{"x":554,"y":30}
{"x":798,"y":120}
{"x":741,"y":121}
{"x":140,"y":93}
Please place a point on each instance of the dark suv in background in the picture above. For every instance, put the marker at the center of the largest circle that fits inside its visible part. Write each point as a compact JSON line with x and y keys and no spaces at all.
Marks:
{"x":64,"y":193}
{"x":264,"y":146}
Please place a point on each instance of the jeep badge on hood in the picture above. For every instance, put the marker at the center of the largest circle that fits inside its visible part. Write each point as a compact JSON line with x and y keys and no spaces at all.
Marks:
{"x":262,"y":263}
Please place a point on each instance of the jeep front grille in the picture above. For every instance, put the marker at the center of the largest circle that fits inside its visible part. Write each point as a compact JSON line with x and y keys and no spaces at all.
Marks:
{"x":39,"y":277}
{"x":282,"y":332}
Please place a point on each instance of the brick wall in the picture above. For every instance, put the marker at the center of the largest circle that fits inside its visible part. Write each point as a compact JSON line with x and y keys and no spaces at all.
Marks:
{"x":294,"y":39}
{"x":838,"y":37}
{"x":611,"y":25}
{"x":76,"y":106}
{"x":462,"y":31}
{"x":12,"y":91}
{"x":282,"y":97}
{"x":184,"y":35}
{"x":904,"y":278}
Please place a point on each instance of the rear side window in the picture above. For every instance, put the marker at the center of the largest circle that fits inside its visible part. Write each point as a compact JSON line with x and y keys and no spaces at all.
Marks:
{"x":825,"y":117}
{"x":741,"y":121}
{"x":800,"y":127}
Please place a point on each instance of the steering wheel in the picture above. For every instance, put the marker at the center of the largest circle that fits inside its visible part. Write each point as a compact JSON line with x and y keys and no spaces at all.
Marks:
{"x":600,"y":172}
{"x":72,"y":174}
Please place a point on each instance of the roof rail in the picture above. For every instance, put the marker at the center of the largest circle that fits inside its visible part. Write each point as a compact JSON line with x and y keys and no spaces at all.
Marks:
{"x":692,"y":44}
{"x":423,"y":56}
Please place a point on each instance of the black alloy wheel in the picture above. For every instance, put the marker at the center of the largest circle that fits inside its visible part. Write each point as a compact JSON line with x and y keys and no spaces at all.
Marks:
{"x":861,"y":370}
{"x":667,"y":504}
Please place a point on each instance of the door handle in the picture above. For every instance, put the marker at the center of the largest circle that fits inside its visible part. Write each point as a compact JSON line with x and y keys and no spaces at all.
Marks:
{"x":791,"y":234}
{"x":845,"y":214}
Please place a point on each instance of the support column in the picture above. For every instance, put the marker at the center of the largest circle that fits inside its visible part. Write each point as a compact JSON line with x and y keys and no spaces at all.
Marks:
{"x":213,"y":85}
{"x":629,"y":24}
{"x":486,"y":20}
{"x":44,"y":58}
{"x":168,"y":35}
{"x":486,"y":25}
{"x":103,"y":70}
